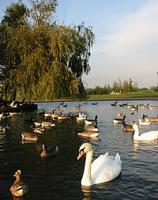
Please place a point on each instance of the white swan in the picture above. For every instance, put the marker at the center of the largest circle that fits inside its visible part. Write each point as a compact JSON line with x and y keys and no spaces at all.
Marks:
{"x":103,"y":169}
{"x":148,"y":136}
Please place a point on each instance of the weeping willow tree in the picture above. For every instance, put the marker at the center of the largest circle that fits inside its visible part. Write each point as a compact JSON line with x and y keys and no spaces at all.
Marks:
{"x":44,"y":60}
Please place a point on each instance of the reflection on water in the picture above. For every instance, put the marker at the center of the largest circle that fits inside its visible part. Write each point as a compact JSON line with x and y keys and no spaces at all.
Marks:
{"x":59,"y":177}
{"x":144,"y":145}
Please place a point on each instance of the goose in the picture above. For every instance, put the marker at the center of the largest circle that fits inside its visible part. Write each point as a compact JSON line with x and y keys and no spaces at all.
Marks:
{"x":78,"y":107}
{"x":37,"y":124}
{"x":152,"y":119}
{"x":91,"y":121}
{"x":91,"y":127}
{"x":47,"y":115}
{"x":47,"y":124}
{"x":88,"y":134}
{"x":114,"y":104}
{"x":149,"y":119}
{"x":144,"y":123}
{"x":127,"y":127}
{"x":38,"y":130}
{"x":147,"y":136}
{"x":55,"y":115}
{"x":48,"y":151}
{"x":29,"y":136}
{"x":18,"y":188}
{"x":63,"y":117}
{"x":44,"y":124}
{"x":118,"y":119}
{"x":103,"y":169}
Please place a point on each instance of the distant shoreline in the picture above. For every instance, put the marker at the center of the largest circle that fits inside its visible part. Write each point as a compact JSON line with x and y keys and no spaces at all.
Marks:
{"x":106,"y":99}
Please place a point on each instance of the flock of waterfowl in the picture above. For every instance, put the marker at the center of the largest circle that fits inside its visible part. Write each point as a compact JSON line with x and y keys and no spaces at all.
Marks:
{"x":106,"y":168}
{"x":103,"y":169}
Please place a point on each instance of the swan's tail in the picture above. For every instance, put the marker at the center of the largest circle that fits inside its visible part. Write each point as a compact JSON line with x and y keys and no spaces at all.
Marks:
{"x":118,"y":159}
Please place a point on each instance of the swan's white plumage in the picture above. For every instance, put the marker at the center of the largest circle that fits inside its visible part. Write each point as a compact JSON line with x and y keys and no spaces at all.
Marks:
{"x":147,"y":136}
{"x":103,"y":169}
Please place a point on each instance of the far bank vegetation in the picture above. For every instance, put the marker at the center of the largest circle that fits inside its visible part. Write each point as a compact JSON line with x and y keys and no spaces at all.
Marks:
{"x":121,"y":88}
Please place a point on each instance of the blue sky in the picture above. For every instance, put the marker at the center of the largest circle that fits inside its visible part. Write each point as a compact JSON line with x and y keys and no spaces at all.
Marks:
{"x":126,"y":37}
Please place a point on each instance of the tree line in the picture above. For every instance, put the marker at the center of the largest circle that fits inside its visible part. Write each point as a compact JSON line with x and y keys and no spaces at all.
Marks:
{"x":119,"y":87}
{"x":116,"y":88}
{"x":39,"y":58}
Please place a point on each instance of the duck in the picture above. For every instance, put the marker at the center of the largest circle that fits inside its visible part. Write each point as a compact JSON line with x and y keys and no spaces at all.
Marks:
{"x":127,"y":127}
{"x":143,"y":123}
{"x":103,"y":169}
{"x":31,"y":136}
{"x":147,"y":136}
{"x":48,"y":151}
{"x":91,"y":121}
{"x":18,"y":188}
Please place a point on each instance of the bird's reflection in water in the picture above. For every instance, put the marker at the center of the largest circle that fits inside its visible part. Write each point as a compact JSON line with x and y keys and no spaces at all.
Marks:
{"x":28,"y":142}
{"x":86,"y":193}
{"x":17,"y":198}
{"x":145,"y":145}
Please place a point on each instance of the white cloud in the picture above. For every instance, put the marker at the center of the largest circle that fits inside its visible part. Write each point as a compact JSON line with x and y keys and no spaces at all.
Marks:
{"x":131,"y":51}
{"x":135,"y":30}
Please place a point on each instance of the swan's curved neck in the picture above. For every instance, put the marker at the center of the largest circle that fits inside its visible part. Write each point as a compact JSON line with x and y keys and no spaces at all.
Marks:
{"x":136,"y":132}
{"x":86,"y":178}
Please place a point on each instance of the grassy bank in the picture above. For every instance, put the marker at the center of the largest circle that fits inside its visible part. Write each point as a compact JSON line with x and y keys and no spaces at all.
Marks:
{"x":131,"y":95}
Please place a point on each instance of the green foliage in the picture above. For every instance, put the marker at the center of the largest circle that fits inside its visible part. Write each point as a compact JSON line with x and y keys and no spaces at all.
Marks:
{"x":15,"y":15}
{"x":42,"y":11}
{"x":42,"y":61}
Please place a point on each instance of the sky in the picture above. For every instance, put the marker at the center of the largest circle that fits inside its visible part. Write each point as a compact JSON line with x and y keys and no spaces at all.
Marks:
{"x":126,"y":38}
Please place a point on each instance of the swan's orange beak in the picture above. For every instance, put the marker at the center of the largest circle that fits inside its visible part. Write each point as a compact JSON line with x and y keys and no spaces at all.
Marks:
{"x":81,"y":153}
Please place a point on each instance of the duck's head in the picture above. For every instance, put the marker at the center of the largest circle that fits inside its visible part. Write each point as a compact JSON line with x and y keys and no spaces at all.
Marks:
{"x":17,"y":173}
{"x":44,"y":147}
{"x":84,"y":148}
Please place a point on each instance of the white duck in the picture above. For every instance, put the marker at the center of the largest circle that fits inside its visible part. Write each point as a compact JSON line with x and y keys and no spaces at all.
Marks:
{"x":103,"y":169}
{"x":148,"y":136}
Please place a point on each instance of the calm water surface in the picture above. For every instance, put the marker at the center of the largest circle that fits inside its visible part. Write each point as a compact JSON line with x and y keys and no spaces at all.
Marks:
{"x":58,"y":178}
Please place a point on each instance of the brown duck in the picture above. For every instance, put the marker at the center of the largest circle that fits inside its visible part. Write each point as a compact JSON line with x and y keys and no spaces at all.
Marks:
{"x":19,"y":188}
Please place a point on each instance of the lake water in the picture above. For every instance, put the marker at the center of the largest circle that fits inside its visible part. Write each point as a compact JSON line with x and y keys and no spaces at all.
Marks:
{"x":58,"y":178}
